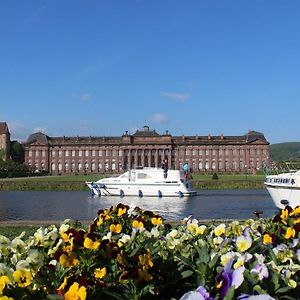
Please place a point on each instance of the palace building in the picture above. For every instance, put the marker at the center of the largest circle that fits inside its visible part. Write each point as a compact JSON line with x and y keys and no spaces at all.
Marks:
{"x":146,"y":148}
{"x":4,"y":140}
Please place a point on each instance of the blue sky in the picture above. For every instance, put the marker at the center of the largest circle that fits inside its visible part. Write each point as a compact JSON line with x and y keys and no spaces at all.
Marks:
{"x":190,"y":67}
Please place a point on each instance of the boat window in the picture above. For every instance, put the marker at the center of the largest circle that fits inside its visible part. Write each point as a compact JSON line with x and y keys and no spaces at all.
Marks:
{"x":143,"y":176}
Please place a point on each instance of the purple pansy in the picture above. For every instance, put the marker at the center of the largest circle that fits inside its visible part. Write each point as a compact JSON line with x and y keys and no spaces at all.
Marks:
{"x":229,"y":277}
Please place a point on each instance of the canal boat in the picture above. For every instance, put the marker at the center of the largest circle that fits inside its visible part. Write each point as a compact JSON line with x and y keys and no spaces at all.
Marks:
{"x":151,"y":182}
{"x":284,"y":188}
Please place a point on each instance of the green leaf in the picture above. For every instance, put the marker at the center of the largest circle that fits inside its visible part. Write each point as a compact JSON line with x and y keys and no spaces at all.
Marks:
{"x":229,"y":294}
{"x":259,"y":289}
{"x":283,"y":290}
{"x":186,"y":274}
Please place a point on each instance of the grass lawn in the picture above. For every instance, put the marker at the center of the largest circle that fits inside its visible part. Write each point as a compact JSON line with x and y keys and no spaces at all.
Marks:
{"x":13,"y":231}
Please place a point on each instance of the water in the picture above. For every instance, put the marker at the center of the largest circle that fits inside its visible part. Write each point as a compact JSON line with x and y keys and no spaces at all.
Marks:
{"x":208,"y":204}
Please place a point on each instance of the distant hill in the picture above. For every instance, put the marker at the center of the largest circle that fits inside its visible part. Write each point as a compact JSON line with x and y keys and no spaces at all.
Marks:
{"x":285,"y":151}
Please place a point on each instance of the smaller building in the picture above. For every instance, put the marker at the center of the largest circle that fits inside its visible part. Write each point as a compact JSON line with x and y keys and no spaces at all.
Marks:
{"x":4,"y":141}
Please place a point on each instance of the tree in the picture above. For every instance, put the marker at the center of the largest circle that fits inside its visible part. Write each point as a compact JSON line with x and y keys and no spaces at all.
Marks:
{"x":17,"y":152}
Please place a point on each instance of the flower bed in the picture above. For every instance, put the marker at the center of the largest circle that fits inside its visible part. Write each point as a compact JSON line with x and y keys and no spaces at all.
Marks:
{"x":133,"y":254}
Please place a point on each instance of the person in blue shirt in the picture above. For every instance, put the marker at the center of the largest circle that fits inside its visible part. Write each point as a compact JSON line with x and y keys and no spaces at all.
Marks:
{"x":186,"y":170}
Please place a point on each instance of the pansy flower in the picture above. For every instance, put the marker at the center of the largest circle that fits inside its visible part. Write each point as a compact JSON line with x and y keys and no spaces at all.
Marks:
{"x":75,"y":292}
{"x":229,"y":277}
{"x":100,"y":272}
{"x":243,"y":243}
{"x":22,"y":277}
{"x":115,"y":228}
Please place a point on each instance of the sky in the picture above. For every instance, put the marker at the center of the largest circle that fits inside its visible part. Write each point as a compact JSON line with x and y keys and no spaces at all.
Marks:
{"x":101,"y":67}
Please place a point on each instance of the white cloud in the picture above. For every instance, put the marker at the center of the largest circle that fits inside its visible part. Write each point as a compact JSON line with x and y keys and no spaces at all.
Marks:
{"x":159,"y":118}
{"x":86,"y":97}
{"x":40,"y":129}
{"x":181,"y":97}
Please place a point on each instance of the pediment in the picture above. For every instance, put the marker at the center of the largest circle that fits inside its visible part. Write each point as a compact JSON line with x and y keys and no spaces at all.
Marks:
{"x":257,"y":142}
{"x":38,"y":143}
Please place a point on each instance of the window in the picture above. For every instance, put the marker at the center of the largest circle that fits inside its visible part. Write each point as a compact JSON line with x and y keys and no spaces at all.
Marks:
{"x":93,"y":153}
{"x":86,"y":152}
{"x":93,"y":166}
{"x":194,"y":152}
{"x":234,"y":165}
{"x":200,"y":151}
{"x":37,"y":153}
{"x":67,"y":153}
{"x":73,"y":166}
{"x":226,"y":165}
{"x":120,"y":153}
{"x":53,"y":153}
{"x":80,"y":153}
{"x":206,"y":165}
{"x":53,"y":167}
{"x":86,"y":166}
{"x":73,"y":153}
{"x":100,"y":152}
{"x":30,"y":153}
{"x":59,"y":153}
{"x":43,"y":153}
{"x":59,"y":166}
{"x":99,"y":167}
{"x":220,"y":167}
{"x":187,"y":152}
{"x":213,"y":165}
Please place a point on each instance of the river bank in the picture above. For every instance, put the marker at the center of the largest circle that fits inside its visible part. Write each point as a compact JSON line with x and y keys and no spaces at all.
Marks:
{"x":77,"y":183}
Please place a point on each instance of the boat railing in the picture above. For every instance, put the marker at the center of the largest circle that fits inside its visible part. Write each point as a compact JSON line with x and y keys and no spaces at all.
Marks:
{"x":283,"y":167}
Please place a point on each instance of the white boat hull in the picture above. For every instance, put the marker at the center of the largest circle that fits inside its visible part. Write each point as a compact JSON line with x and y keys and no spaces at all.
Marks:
{"x":284,"y":189}
{"x":157,"y":186}
{"x":281,"y":195}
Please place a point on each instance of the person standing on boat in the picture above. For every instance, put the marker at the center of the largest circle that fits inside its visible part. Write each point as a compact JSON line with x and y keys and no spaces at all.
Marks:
{"x":186,"y":170}
{"x":165,"y":167}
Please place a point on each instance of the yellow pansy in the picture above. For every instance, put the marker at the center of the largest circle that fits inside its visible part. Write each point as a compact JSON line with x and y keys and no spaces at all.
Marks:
{"x":296,"y":221}
{"x":145,"y":260}
{"x":295,"y":211}
{"x":100,"y":272}
{"x":6,"y":298}
{"x":90,"y":244}
{"x":290,"y":233}
{"x":100,"y":221}
{"x":157,"y":221}
{"x":4,"y":280}
{"x":219,"y":230}
{"x":284,"y":215}
{"x":137,"y":224}
{"x":22,"y":278}
{"x":121,"y":211}
{"x":115,"y":228}
{"x":75,"y":292}
{"x":68,"y":261}
{"x":243,"y":243}
{"x":267,"y":239}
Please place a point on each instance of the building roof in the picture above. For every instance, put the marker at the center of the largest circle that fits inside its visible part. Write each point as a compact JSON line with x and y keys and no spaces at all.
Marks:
{"x":4,"y":128}
{"x":147,"y":136}
{"x":38,"y":136}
